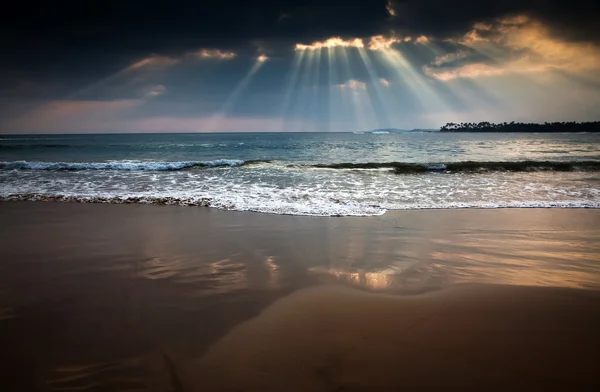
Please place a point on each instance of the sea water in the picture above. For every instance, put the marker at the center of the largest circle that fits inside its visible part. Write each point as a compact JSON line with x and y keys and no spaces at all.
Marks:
{"x":307,"y":173}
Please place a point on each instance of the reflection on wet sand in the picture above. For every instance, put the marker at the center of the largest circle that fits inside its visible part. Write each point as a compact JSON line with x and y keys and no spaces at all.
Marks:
{"x":542,"y":259}
{"x":553,"y":259}
{"x":374,"y":280}
{"x":100,"y":303}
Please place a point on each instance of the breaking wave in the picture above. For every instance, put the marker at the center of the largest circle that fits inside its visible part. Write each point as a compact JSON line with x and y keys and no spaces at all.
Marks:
{"x":124,"y":165}
{"x":395,"y":167}
{"x":468,"y":166}
{"x":329,"y":207}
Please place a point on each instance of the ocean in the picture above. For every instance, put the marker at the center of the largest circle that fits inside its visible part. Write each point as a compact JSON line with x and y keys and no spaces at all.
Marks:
{"x":321,"y":174}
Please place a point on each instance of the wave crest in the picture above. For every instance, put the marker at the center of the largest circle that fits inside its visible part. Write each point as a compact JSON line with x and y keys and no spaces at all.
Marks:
{"x":468,"y":166}
{"x":123,"y":165}
{"x":395,"y":167}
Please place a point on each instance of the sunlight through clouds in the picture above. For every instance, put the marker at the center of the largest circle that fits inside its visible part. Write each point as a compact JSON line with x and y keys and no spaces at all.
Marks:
{"x":380,"y":42}
{"x":394,"y":76}
{"x":212,"y":54}
{"x":153,"y":61}
{"x":514,"y":45}
{"x":219,"y":116}
{"x":332,"y":43}
{"x":390,"y":8}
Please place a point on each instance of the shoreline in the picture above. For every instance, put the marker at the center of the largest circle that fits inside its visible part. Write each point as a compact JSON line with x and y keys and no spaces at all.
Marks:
{"x":205,"y":203}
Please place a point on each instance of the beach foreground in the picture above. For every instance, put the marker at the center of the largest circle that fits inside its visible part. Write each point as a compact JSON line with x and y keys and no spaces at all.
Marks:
{"x":133,"y":297}
{"x":479,"y":337}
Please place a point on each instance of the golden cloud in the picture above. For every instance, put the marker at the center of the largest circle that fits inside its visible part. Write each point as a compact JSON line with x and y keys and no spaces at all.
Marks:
{"x":423,"y":39}
{"x":380,"y":42}
{"x":466,"y":71}
{"x":262,"y":58}
{"x":450,"y":57}
{"x":390,"y":8}
{"x":521,"y":45}
{"x":332,"y":43}
{"x":212,"y":54}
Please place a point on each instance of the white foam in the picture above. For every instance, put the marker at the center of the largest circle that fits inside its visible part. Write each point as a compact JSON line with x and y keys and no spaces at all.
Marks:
{"x":296,"y":191}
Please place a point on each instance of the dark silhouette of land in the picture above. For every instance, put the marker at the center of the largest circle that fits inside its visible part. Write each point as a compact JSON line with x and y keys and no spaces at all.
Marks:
{"x":523,"y":127}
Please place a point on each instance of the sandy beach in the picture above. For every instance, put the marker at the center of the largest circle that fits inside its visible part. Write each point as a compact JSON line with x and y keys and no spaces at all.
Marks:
{"x":134,"y":297}
{"x":474,"y":337}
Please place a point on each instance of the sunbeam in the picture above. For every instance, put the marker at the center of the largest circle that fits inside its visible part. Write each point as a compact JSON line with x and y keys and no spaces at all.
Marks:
{"x":426,"y":96}
{"x":235,"y":94}
{"x":358,"y":93}
{"x":291,"y":87}
{"x":316,"y":87}
{"x":304,"y":95}
{"x":385,"y":98}
{"x":151,"y":63}
{"x":332,"y":76}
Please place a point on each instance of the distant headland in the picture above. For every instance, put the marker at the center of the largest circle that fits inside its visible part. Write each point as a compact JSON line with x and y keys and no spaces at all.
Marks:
{"x":523,"y":127}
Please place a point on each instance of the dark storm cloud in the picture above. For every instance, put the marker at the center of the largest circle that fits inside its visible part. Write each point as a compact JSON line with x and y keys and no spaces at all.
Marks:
{"x":570,"y":19}
{"x":140,"y":27}
{"x":50,"y":48}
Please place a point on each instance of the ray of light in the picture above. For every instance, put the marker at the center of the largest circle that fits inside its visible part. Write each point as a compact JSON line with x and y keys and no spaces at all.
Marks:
{"x":316,"y":87}
{"x":465,"y":95}
{"x":291,"y":87}
{"x":497,"y":55}
{"x":152,"y":61}
{"x":427,"y":98}
{"x":479,"y":96}
{"x":235,"y":94}
{"x":303,"y":95}
{"x":384,"y":97}
{"x":339,"y":110}
{"x":347,"y":100}
{"x":361,"y":101}
{"x":331,"y":79}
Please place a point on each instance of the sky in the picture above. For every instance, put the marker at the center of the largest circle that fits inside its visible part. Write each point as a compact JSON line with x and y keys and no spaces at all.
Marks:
{"x":297,"y":66}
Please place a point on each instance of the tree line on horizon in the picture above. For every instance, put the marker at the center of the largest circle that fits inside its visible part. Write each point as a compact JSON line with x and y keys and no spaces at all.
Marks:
{"x":485,"y":126}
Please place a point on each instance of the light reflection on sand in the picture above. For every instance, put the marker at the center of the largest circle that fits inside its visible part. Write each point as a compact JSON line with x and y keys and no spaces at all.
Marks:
{"x":374,"y":280}
{"x":273,"y":271}
{"x":390,"y":258}
{"x":450,"y":253}
{"x":181,"y":278}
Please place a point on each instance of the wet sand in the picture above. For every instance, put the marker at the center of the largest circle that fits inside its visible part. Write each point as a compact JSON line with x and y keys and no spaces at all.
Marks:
{"x":134,"y":297}
{"x":476,"y":337}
